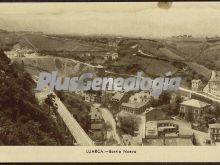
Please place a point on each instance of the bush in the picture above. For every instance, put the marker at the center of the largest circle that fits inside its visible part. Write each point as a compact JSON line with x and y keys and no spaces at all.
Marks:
{"x":129,"y":124}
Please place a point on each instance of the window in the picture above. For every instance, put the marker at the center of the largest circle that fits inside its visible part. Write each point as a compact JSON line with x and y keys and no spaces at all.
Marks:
{"x":196,"y":111}
{"x":182,"y":108}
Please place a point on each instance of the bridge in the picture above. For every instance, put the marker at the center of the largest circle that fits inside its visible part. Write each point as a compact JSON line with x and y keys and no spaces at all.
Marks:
{"x":66,"y":119}
{"x":72,"y":125}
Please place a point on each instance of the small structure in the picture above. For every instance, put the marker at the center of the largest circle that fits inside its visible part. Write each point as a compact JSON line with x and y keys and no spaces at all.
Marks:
{"x":214,"y":86}
{"x":96,"y":125}
{"x":114,"y":56}
{"x":117,"y":97}
{"x":111,"y":56}
{"x":134,"y":108}
{"x":100,"y":70}
{"x":166,"y":132}
{"x":142,"y":96}
{"x":196,"y":85}
{"x":214,"y":132}
{"x":96,"y":121}
{"x":158,"y":128}
{"x":192,"y":109}
{"x":97,"y":96}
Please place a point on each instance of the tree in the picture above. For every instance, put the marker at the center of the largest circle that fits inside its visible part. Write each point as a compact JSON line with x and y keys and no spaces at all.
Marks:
{"x":216,"y":110}
{"x":50,"y":102}
{"x":208,"y":118}
{"x":189,"y":117}
{"x":194,"y":139}
{"x":60,"y":94}
{"x":164,"y":98}
{"x":129,"y":124}
{"x":176,"y":105}
{"x":154,"y":102}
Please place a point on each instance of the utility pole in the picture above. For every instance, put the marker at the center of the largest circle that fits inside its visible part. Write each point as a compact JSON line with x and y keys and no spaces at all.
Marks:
{"x":164,"y":137}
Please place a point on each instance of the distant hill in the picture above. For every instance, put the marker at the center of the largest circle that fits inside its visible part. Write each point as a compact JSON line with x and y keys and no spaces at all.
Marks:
{"x":202,"y":52}
{"x":45,"y":42}
{"x":153,"y":56}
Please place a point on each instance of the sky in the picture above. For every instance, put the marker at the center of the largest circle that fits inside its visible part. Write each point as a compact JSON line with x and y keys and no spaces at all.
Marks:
{"x":144,"y":19}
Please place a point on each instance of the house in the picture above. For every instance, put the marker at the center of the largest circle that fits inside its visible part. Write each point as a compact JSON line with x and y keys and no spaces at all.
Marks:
{"x":97,"y":96}
{"x":111,"y":56}
{"x":142,"y":96}
{"x":95,"y":119}
{"x":114,"y":42}
{"x":197,"y":85}
{"x":192,"y":109}
{"x":214,"y":86}
{"x":117,"y":97}
{"x":100,"y":70}
{"x":114,"y":56}
{"x":214,"y":132}
{"x":96,"y":125}
{"x":158,"y":128}
{"x":134,"y":108}
{"x":166,"y":132}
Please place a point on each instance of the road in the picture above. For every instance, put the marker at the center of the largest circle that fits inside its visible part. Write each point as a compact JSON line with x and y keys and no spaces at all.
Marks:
{"x":108,"y":117}
{"x":75,"y":129}
{"x":186,"y":129}
{"x":206,"y":89}
{"x":200,"y":137}
{"x":200,"y":94}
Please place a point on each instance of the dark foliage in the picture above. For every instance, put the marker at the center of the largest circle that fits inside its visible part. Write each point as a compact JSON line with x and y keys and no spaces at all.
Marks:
{"x":23,"y":122}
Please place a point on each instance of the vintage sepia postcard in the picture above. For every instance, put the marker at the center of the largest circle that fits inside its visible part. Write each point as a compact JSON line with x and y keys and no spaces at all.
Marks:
{"x":110,"y":82}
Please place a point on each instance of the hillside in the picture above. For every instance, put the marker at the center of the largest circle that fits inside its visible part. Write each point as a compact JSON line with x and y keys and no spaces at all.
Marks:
{"x":43,"y":42}
{"x":156,"y":57}
{"x":202,"y":52}
{"x":23,"y":122}
{"x":190,"y":58}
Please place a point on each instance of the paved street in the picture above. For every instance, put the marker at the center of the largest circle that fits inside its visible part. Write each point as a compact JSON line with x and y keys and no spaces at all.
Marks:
{"x":185,"y":128}
{"x":108,"y":117}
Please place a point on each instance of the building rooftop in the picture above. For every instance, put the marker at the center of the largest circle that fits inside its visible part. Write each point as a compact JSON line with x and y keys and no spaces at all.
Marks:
{"x":118,"y":96}
{"x":95,"y":114}
{"x":134,"y":105}
{"x":99,"y":66}
{"x":216,"y":79}
{"x":194,"y":103}
{"x":184,"y":129}
{"x":151,"y":128}
{"x":96,"y":126}
{"x":216,"y":125}
{"x":196,"y":80}
{"x":139,"y":97}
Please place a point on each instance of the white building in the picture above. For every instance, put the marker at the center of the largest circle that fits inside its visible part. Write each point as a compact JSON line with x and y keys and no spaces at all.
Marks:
{"x":196,"y":85}
{"x":214,"y":86}
{"x":139,"y":97}
{"x":214,"y":132}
